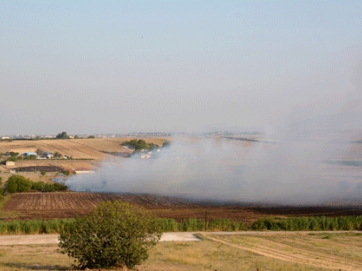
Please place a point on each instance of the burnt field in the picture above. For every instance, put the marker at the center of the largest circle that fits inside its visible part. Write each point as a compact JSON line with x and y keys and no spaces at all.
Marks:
{"x":72,"y":204}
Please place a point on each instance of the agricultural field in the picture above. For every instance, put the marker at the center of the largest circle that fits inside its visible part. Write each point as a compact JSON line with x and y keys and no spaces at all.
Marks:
{"x":249,"y":251}
{"x":38,"y":205}
{"x":87,"y":153}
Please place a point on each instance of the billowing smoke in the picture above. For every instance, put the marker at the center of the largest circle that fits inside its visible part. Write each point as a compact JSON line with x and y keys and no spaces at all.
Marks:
{"x":311,"y":162}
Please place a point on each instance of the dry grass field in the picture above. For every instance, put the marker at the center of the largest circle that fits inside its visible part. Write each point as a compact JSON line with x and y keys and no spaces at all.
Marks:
{"x":94,"y":150}
{"x":87,"y":154}
{"x":267,"y":252}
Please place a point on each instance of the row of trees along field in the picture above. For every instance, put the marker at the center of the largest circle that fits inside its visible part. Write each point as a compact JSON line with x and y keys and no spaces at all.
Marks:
{"x":15,"y":156}
{"x":18,"y":183}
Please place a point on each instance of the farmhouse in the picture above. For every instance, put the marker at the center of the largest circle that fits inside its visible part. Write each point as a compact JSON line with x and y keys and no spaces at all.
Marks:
{"x":47,"y":155}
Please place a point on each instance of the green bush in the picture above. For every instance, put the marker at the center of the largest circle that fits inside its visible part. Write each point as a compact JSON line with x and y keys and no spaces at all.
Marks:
{"x":115,"y":233}
{"x":38,"y":186}
{"x":12,"y":158}
{"x":18,"y":183}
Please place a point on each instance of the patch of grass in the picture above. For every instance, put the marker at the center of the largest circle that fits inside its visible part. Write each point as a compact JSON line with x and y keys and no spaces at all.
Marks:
{"x":211,"y":255}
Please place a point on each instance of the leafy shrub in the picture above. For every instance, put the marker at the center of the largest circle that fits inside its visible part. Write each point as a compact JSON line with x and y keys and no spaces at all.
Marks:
{"x":18,"y":183}
{"x":115,"y":233}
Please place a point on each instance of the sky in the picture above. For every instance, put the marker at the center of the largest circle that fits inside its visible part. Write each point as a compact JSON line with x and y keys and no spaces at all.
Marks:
{"x":168,"y":66}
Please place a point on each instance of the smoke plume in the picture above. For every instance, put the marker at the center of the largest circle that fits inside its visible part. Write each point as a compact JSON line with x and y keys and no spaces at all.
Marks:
{"x":311,"y":162}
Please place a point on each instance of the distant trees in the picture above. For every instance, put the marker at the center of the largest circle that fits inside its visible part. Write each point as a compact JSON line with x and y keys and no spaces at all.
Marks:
{"x":139,"y":144}
{"x":18,"y":183}
{"x":62,"y":135}
{"x":57,"y":155}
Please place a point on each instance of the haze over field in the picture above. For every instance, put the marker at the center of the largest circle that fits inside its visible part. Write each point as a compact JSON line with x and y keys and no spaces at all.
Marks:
{"x":309,"y":167}
{"x":288,"y":69}
{"x":123,"y":66}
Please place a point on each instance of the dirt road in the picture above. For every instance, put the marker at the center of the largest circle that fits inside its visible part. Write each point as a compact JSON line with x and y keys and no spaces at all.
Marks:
{"x":7,"y":240}
{"x":293,"y":250}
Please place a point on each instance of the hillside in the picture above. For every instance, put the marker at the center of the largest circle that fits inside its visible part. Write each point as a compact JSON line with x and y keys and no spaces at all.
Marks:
{"x":87,"y":153}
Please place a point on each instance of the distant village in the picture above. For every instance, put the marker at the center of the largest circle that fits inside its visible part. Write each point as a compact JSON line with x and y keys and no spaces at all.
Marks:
{"x":49,"y":137}
{"x":133,"y":134}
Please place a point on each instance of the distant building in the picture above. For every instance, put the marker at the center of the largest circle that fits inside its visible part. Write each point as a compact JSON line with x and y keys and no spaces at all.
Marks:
{"x":5,"y":138}
{"x":85,"y":172}
{"x":47,"y":155}
{"x":26,"y":154}
{"x":10,"y":163}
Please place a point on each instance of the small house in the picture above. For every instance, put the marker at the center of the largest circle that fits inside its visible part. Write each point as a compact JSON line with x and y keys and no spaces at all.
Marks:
{"x":47,"y":155}
{"x":10,"y":163}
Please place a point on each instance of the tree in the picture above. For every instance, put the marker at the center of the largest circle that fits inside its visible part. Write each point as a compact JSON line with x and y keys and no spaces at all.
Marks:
{"x":57,"y":155}
{"x":18,"y":183}
{"x":62,"y":135}
{"x":115,"y":233}
{"x":138,"y":145}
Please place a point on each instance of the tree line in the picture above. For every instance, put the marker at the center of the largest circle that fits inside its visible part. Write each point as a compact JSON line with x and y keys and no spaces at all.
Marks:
{"x":18,"y":183}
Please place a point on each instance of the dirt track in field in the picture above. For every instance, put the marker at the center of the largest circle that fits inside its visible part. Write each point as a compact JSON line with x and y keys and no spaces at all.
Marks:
{"x":288,"y":251}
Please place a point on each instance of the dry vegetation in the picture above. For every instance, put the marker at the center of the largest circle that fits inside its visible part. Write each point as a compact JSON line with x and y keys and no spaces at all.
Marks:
{"x":94,"y":150}
{"x":271,"y":251}
{"x":77,"y":148}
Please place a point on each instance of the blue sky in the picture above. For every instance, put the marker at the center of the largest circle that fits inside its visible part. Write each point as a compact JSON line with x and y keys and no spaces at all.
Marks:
{"x":121,"y":66}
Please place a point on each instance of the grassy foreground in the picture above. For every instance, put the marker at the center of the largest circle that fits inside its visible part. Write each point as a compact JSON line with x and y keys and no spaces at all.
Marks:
{"x":282,"y":251}
{"x":171,"y":225}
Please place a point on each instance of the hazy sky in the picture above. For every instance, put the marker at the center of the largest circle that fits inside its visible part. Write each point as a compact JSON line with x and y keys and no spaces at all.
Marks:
{"x":122,"y":66}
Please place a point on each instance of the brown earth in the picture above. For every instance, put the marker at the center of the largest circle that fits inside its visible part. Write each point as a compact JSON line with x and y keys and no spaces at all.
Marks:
{"x":39,"y":205}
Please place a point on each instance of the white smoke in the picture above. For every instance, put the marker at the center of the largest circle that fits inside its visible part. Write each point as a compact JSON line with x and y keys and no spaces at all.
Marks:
{"x":304,"y":165}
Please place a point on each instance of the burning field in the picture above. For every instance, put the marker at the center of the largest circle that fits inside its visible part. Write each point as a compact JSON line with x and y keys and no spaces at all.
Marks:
{"x":72,"y":204}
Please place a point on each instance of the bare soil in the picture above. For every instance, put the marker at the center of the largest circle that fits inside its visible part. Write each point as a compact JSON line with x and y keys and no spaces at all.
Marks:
{"x":39,"y":205}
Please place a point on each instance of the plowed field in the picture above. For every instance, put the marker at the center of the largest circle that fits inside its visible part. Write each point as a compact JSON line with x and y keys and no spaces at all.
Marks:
{"x":71,"y":204}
